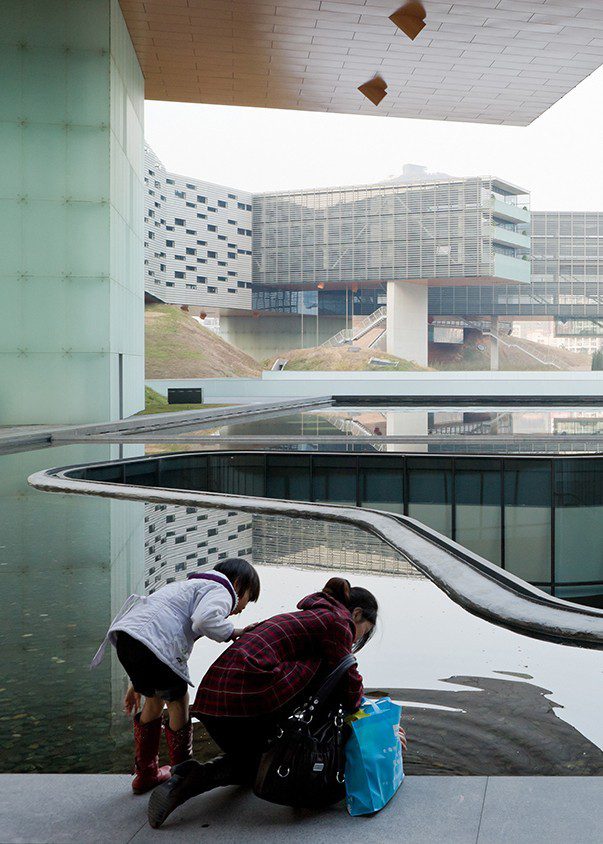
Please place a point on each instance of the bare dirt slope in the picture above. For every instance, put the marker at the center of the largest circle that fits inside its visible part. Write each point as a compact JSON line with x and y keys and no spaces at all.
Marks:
{"x":176,"y":346}
{"x":470,"y":357}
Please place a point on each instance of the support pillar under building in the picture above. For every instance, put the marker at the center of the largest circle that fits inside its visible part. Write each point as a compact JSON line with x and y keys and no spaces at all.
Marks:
{"x":71,"y":214}
{"x":407,"y":329}
{"x":494,"y":345}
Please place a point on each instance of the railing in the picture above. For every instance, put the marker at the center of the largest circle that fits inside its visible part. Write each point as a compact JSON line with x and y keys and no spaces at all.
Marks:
{"x":475,"y":584}
{"x":348,"y":335}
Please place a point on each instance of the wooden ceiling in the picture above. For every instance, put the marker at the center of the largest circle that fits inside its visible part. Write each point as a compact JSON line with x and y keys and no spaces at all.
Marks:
{"x":490,"y":61}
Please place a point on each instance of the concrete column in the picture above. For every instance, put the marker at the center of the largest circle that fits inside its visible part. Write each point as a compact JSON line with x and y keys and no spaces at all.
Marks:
{"x":412,"y":423}
{"x":71,"y":214}
{"x":494,"y":348}
{"x":407,"y":333}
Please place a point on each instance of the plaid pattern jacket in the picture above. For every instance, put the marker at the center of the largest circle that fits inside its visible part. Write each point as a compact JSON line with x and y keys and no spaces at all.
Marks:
{"x":273,"y":663}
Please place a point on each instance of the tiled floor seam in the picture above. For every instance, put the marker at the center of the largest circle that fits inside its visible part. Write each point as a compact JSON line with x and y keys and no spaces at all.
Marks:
{"x":481,"y":814}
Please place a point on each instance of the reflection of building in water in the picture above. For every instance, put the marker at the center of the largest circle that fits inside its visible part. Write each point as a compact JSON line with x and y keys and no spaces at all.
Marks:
{"x":470,"y":422}
{"x":68,"y":563}
{"x":312,"y":543}
{"x":588,"y":423}
{"x":181,"y":539}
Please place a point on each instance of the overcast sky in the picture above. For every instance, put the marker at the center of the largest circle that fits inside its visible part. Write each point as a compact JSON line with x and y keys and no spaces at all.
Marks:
{"x":559,"y":157}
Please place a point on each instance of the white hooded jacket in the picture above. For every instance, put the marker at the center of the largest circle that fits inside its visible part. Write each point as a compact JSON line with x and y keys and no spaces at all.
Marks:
{"x":170,"y":621}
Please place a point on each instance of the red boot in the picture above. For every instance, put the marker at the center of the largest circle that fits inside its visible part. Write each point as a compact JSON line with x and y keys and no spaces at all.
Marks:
{"x":180,"y":743}
{"x":148,"y":774}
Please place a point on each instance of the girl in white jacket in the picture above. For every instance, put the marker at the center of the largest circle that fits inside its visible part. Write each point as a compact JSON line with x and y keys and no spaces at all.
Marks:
{"x":154,"y":636}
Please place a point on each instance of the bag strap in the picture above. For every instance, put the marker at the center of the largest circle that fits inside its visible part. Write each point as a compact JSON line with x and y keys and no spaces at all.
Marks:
{"x":331,"y":681}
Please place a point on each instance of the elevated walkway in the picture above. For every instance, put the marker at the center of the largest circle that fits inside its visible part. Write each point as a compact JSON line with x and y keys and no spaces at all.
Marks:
{"x":49,"y":808}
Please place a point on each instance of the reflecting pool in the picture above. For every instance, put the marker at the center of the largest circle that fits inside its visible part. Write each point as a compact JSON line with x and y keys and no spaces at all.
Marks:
{"x":477,"y":698}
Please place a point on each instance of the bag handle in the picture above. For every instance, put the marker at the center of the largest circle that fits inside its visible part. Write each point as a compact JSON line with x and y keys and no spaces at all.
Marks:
{"x":331,"y":681}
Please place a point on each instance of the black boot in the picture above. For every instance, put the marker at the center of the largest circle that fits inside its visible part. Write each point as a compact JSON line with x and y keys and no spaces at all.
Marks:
{"x":189,"y":779}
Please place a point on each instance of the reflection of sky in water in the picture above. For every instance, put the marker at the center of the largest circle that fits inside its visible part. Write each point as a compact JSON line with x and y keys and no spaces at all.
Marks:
{"x":68,"y":562}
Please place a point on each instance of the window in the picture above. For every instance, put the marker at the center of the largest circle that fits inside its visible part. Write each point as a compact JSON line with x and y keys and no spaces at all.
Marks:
{"x":222,"y":203}
{"x":179,"y":257}
{"x":191,"y":286}
{"x":178,"y":221}
{"x":248,"y":208}
{"x":180,"y":194}
{"x":232,"y":196}
{"x":201,"y":199}
{"x":202,"y":278}
{"x":169,"y":243}
{"x":190,"y":205}
{"x":221,"y":263}
{"x":201,"y":243}
{"x":191,"y":187}
{"x":202,"y":216}
{"x":162,"y":268}
{"x":192,"y":269}
{"x":212,"y":228}
{"x":190,"y":250}
{"x":241,"y":205}
{"x":232,"y":222}
{"x":212,"y":289}
{"x":231,"y":272}
{"x":178,"y":274}
{"x":221,"y":237}
{"x":209,"y":208}
{"x":170,"y":182}
{"x":191,"y":231}
{"x":170,"y":284}
{"x":211,"y":254}
{"x":232,"y":254}
{"x":230,"y":290}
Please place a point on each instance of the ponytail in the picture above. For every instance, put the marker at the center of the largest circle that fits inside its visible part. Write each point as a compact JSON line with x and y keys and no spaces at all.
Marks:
{"x":338,"y":588}
{"x":354,"y":597}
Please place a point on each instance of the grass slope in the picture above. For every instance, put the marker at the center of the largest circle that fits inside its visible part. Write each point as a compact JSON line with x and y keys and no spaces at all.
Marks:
{"x":343,"y":359}
{"x":154,"y":402}
{"x":468,"y":357}
{"x":176,"y":346}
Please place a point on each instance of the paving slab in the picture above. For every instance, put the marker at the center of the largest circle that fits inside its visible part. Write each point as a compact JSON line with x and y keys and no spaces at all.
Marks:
{"x":530,"y":810}
{"x":425,"y":810}
{"x":56,"y":808}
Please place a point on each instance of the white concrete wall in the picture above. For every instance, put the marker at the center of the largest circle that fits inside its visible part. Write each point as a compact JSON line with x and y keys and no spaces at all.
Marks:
{"x":278,"y":385}
{"x":407,"y":335}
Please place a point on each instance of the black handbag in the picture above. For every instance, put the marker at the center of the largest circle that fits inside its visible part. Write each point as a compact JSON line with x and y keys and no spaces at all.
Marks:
{"x":305,"y":762}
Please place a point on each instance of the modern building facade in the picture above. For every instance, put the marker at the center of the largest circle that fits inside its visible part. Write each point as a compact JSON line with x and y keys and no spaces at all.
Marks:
{"x":197,"y":241}
{"x":330,"y":254}
{"x":71,"y":214}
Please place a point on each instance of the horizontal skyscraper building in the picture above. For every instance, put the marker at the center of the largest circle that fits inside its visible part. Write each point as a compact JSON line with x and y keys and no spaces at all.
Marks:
{"x":344,"y":251}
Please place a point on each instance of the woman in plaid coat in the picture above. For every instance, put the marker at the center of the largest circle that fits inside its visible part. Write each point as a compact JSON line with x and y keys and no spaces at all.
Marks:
{"x":261,"y":678}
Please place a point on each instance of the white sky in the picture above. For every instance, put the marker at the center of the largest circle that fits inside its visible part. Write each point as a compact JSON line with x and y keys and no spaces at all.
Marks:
{"x":558,"y":157}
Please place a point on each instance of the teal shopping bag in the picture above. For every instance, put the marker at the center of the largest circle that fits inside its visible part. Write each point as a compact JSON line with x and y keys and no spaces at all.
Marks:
{"x":373,"y":758}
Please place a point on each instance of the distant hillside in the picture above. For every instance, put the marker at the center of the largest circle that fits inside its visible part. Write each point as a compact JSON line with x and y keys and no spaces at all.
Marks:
{"x":342,"y":359}
{"x":176,"y":346}
{"x":469,"y":357}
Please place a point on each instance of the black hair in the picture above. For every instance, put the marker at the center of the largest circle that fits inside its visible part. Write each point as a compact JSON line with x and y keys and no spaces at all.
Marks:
{"x":354,"y":597}
{"x":239,"y":570}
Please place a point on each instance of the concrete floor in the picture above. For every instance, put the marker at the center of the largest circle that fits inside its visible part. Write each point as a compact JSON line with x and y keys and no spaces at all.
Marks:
{"x":427,"y":810}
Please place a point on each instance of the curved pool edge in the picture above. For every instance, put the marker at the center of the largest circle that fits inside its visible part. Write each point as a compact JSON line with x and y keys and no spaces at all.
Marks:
{"x":472,"y":582}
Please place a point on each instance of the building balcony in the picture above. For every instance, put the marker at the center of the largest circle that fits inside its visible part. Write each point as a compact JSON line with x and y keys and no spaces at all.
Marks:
{"x":512,"y":269}
{"x":510,"y":237}
{"x":508,"y":211}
